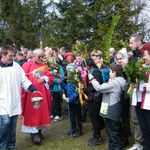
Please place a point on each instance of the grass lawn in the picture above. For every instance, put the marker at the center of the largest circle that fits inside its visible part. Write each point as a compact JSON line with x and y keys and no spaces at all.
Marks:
{"x":56,"y":137}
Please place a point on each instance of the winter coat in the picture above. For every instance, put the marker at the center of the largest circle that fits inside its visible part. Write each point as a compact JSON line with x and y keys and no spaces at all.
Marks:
{"x":90,"y":89}
{"x":72,"y":92}
{"x":136,"y":55}
{"x":112,"y":92}
{"x":142,"y":94}
{"x":59,"y":76}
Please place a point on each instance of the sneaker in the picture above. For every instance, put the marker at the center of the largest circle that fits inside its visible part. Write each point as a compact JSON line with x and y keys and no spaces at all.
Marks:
{"x":136,"y":147}
{"x":52,"y":117}
{"x":77,"y":134}
{"x":91,"y":139}
{"x":93,"y":142}
{"x":57,"y":118}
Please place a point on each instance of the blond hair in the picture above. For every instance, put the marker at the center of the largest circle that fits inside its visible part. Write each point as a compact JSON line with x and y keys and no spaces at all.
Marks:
{"x":96,"y":52}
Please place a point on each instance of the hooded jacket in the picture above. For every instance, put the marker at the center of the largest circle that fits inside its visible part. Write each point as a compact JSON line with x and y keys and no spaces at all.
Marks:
{"x":112,"y":92}
{"x":124,"y":52}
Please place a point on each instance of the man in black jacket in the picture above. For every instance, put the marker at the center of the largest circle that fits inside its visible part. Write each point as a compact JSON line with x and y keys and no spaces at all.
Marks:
{"x":135,"y":45}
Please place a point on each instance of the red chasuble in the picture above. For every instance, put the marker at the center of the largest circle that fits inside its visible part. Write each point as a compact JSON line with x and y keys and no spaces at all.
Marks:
{"x":37,"y":117}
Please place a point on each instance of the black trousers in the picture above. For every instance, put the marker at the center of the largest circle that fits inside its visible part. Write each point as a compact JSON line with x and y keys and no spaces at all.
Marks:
{"x":57,"y":104}
{"x":97,"y":121}
{"x":125,"y":118}
{"x":75,"y":116}
{"x":144,"y":120}
{"x":84,"y":109}
{"x":113,"y":130}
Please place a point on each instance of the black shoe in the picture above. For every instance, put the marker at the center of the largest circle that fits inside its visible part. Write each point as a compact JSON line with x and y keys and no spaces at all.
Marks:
{"x":35,"y":138}
{"x":73,"y":131}
{"x":41,"y":135}
{"x":91,"y":139}
{"x":93,"y":142}
{"x":126,"y":143}
{"x":77,"y":133}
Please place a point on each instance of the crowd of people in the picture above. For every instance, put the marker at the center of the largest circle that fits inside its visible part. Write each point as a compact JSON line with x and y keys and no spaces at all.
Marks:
{"x":43,"y":73}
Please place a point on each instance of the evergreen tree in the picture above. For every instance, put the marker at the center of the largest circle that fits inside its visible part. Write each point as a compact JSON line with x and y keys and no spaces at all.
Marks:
{"x":12,"y":19}
{"x":34,"y":23}
{"x":90,"y":20}
{"x":67,"y":21}
{"x":24,"y":22}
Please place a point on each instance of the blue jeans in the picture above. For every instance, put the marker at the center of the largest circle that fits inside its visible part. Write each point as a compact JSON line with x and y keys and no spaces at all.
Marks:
{"x":8,"y":131}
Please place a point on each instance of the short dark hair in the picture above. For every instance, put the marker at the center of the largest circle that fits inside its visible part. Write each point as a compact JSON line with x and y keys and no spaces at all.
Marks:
{"x":64,"y":49}
{"x":6,"y":48}
{"x":56,"y":49}
{"x":137,"y":37}
{"x":117,"y":68}
{"x":19,"y":53}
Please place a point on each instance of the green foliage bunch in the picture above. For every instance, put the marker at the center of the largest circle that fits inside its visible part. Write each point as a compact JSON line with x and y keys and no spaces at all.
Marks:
{"x":135,"y":71}
{"x":74,"y":76}
{"x":80,"y":47}
{"x":54,"y":66}
{"x":107,"y":40}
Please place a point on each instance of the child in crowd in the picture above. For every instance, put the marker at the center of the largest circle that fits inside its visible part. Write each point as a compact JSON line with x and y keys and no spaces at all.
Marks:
{"x":74,"y":107}
{"x":78,"y":62}
{"x":56,"y":90}
{"x":111,"y":104}
{"x":122,"y":58}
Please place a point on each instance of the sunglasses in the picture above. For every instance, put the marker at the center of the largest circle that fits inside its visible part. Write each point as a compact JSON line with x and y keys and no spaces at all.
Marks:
{"x":40,"y":57}
{"x":95,"y":55}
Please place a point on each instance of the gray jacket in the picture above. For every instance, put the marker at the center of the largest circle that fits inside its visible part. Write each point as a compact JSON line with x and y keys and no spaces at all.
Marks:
{"x":112,"y":92}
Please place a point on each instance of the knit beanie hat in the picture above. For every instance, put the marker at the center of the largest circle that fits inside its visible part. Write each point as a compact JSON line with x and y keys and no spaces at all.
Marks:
{"x":70,"y":66}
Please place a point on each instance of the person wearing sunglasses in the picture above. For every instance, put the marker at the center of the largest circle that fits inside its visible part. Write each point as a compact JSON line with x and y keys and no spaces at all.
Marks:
{"x":96,"y":55}
{"x":34,"y":120}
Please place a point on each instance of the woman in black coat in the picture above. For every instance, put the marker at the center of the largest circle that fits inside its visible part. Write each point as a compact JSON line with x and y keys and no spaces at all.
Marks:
{"x":94,"y":103}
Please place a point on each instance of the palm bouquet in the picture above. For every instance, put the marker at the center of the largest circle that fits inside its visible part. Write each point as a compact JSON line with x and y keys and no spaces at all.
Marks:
{"x":52,"y":65}
{"x":135,"y":73}
{"x":76,"y":79}
{"x":74,"y":76}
